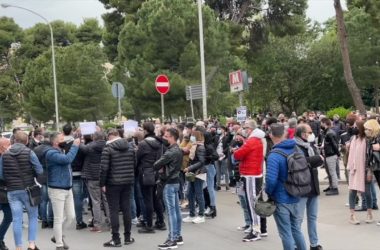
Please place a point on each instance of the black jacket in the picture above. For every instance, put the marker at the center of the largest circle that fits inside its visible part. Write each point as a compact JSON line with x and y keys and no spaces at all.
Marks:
{"x":314,"y":162}
{"x":117,"y":163}
{"x":315,"y":127}
{"x":331,"y":143}
{"x":171,"y":161}
{"x":197,"y":165}
{"x":148,"y":152}
{"x":93,"y":156}
{"x":33,"y":144}
{"x":40,"y":151}
{"x":77,"y":164}
{"x":17,"y":169}
{"x":211,"y":154}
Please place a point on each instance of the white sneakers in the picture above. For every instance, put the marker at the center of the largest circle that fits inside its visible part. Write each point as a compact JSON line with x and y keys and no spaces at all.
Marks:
{"x":199,"y":219}
{"x":195,"y":220}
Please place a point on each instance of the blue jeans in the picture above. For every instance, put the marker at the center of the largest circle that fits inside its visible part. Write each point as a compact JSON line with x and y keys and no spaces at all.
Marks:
{"x":312,"y":215}
{"x":288,"y":219}
{"x":171,"y":201}
{"x":211,"y":172}
{"x":18,"y":200}
{"x":45,"y":209}
{"x":78,"y":193}
{"x":7,"y":220}
{"x":195,"y":192}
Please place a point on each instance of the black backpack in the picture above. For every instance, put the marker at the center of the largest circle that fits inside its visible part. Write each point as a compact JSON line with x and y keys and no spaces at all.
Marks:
{"x":299,"y":174}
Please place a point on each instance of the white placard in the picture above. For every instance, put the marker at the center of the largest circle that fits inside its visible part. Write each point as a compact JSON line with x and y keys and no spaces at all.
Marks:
{"x":241,"y":114}
{"x":87,"y":128}
{"x":130,"y":126}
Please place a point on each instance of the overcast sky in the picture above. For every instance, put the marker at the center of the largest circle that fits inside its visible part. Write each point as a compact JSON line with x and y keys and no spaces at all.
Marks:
{"x":75,"y":10}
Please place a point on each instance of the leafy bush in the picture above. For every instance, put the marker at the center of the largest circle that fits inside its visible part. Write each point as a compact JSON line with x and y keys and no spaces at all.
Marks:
{"x":342,"y":112}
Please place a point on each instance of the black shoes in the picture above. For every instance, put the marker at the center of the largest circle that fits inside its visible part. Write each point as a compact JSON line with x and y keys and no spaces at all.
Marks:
{"x":140,"y":224}
{"x":211,"y":213}
{"x":45,"y":224}
{"x":327,"y":189}
{"x":129,"y":241}
{"x":112,"y":243}
{"x":160,"y":226}
{"x":146,"y":230}
{"x":179,"y":240}
{"x":252,"y":237}
{"x":65,"y":246}
{"x":81,"y":226}
{"x":3,"y":246}
{"x":319,"y":247}
{"x":332,"y":191}
{"x":168,"y":245}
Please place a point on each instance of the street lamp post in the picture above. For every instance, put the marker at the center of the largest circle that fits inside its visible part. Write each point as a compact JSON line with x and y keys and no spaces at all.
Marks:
{"x":5,"y":5}
{"x":202,"y":54}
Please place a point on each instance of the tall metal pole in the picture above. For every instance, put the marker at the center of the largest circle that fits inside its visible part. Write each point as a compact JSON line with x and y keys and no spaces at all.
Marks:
{"x":241,"y":98}
{"x":162,"y":109}
{"x":191,"y":103}
{"x":202,"y":54}
{"x":5,"y":5}
{"x":119,"y":100}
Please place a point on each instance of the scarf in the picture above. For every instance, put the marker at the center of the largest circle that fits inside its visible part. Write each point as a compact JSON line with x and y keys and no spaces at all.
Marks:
{"x":306,"y":145}
{"x":193,"y":150}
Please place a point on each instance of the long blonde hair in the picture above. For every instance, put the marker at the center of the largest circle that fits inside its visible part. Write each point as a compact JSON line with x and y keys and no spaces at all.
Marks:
{"x":374,"y":127}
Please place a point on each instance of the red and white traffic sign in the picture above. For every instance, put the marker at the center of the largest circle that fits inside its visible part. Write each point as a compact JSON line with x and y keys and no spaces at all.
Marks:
{"x":236,"y":81}
{"x":162,"y":84}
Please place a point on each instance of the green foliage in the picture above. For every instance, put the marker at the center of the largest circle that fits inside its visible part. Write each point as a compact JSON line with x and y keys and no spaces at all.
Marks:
{"x":10,"y":32}
{"x":9,"y":97}
{"x":89,"y":31}
{"x":83,"y":92}
{"x":341,"y":111}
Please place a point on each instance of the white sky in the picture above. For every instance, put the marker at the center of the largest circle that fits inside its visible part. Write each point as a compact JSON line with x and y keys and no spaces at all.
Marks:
{"x":75,"y":10}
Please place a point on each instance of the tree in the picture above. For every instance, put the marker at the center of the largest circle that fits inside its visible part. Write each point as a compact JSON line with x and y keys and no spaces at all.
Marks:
{"x":10,"y":33}
{"x":342,"y":33}
{"x":89,"y":31}
{"x":83,"y":93}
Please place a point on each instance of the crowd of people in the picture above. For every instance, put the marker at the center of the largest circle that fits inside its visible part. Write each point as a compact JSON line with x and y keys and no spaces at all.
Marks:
{"x":160,"y":169}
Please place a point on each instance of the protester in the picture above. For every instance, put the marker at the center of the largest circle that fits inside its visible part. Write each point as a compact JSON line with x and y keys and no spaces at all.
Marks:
{"x":195,"y":187}
{"x":60,"y":182}
{"x":305,"y":139}
{"x":4,"y":204}
{"x":91,"y":174}
{"x":116,"y":179}
{"x":149,"y":150}
{"x":251,"y":157}
{"x":36,"y":139}
{"x":20,"y":167}
{"x":211,"y":157}
{"x":221,"y":163}
{"x":289,"y":209}
{"x":45,"y":208}
{"x":331,"y":154}
{"x":359,"y":172}
{"x":170,"y":163}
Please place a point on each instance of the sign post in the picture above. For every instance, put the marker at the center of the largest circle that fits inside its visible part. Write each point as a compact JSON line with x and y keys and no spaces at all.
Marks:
{"x":191,"y":103}
{"x":162,"y":87}
{"x":118,"y":92}
{"x":241,"y":114}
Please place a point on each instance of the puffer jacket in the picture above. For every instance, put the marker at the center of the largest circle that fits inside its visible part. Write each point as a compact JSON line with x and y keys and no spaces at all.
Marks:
{"x":277,"y":173}
{"x":171,"y":161}
{"x":148,"y":152}
{"x":117,"y":163}
{"x":93,"y":156}
{"x":211,"y":154}
{"x":197,"y":165}
{"x":251,"y":155}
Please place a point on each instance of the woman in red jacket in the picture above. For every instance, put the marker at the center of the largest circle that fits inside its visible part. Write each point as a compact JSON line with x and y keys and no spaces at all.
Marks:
{"x":251,"y":157}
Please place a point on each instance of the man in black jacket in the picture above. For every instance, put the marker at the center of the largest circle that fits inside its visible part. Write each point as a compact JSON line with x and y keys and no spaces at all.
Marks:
{"x":116,"y":180}
{"x":170,"y":164}
{"x":148,"y":152}
{"x":331,"y":153}
{"x":305,"y":139}
{"x":91,"y":174}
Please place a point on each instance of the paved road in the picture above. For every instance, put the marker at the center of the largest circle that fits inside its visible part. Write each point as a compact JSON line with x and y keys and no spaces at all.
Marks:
{"x":220,"y":233}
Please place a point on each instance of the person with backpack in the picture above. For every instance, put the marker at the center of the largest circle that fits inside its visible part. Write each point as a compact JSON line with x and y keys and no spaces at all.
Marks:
{"x":251,"y":157}
{"x":290,"y":209}
{"x":305,"y":139}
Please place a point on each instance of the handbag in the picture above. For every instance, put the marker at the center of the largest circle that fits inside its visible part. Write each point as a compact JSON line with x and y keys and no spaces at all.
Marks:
{"x":34,"y":193}
{"x":3,"y":195}
{"x":264,"y":208}
{"x":190,"y":177}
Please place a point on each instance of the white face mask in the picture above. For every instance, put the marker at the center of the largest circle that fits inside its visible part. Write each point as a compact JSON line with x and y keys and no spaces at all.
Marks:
{"x":185,"y":133}
{"x":311,"y":138}
{"x":244,"y":133}
{"x":219,"y":131}
{"x":193,"y":139}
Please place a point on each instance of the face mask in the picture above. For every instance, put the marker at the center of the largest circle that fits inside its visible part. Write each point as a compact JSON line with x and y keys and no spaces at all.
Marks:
{"x":244,"y":133}
{"x":355,"y":131}
{"x":368,"y":133}
{"x":165,"y":142}
{"x":193,"y":139}
{"x":219,"y":132}
{"x":185,"y":133}
{"x":311,"y":138}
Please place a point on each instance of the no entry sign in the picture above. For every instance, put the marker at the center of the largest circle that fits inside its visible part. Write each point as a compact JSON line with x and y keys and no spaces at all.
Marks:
{"x":162,"y":84}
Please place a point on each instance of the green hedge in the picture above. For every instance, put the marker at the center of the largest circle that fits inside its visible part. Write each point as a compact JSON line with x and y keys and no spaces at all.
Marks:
{"x":342,"y":112}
